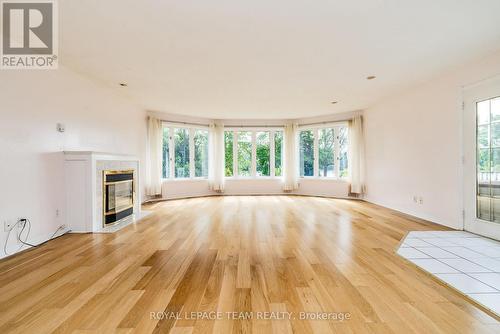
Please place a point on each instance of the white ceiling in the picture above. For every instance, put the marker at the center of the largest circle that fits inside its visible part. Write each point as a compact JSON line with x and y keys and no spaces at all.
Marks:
{"x":270,"y":58}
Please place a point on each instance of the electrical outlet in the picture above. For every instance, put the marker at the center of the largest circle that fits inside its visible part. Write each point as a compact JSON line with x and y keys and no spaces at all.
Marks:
{"x":57,"y":213}
{"x":421,"y":200}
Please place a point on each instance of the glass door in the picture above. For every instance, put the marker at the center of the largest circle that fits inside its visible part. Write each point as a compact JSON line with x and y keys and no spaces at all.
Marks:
{"x":482,"y":159}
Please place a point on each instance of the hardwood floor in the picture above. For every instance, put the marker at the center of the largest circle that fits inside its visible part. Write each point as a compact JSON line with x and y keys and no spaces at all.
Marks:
{"x":301,"y":255}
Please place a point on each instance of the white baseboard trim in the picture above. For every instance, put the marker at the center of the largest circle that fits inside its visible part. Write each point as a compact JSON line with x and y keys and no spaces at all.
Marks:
{"x":431,"y":219}
{"x":36,"y":240}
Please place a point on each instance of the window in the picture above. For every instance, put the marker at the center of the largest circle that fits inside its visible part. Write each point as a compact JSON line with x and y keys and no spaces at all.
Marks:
{"x":201,"y":153}
{"x":165,"y":154}
{"x":253,"y":153}
{"x":326,"y":140}
{"x":181,"y":153}
{"x":488,"y":160}
{"x":263,"y":153}
{"x":184,"y":152}
{"x":228,"y":149}
{"x":323,"y":151}
{"x":278,"y":152}
{"x":306,"y":145}
{"x":244,"y":153}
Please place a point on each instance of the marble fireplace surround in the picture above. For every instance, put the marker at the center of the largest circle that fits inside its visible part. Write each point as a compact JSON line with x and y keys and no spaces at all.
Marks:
{"x":84,"y":189}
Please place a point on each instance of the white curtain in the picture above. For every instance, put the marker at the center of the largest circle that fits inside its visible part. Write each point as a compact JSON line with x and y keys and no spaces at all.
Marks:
{"x":216,"y":157}
{"x":290,"y":164}
{"x":357,"y":155}
{"x":153,"y":172}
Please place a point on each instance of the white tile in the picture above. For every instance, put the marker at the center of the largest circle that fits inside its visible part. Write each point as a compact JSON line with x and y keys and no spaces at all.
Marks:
{"x":473,"y":242}
{"x":456,"y":234}
{"x":488,"y":263}
{"x":437,"y":253}
{"x":412,"y":253}
{"x":488,"y":300}
{"x":465,"y":284}
{"x":440,"y":242}
{"x":492,"y":279}
{"x":489,"y":251}
{"x":419,"y":234}
{"x":463,"y":252}
{"x":465,"y":266}
{"x":434,"y":266}
{"x":416,"y":243}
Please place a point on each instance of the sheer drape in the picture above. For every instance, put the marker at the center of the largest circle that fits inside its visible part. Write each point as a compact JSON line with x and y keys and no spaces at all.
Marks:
{"x":290,"y":170}
{"x":153,"y":172}
{"x":357,"y":155}
{"x":216,"y":158}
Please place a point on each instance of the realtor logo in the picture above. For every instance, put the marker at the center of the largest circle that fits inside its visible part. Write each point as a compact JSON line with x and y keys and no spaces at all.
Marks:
{"x":29,"y":34}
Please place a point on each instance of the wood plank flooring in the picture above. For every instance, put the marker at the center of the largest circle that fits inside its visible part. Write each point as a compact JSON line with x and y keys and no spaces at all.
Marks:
{"x":237,"y":261}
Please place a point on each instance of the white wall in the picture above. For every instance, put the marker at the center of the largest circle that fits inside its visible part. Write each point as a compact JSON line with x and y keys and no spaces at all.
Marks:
{"x":311,"y":186}
{"x":414,"y":145}
{"x":31,"y":169}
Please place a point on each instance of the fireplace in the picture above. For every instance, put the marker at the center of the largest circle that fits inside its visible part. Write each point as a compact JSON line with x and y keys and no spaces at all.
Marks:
{"x":118,"y":195}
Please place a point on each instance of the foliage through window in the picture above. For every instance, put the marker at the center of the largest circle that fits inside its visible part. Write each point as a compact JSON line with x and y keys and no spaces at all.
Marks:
{"x":184,"y":152}
{"x":306,"y":156}
{"x":329,"y":145}
{"x":263,"y":154}
{"x":228,"y":152}
{"x":278,"y":152}
{"x":253,"y":153}
{"x":181,"y":153}
{"x":201,"y":153}
{"x":244,"y":153}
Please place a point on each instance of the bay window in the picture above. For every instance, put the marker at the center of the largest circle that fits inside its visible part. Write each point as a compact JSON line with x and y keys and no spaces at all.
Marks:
{"x":323,"y":151}
{"x":253,"y":153}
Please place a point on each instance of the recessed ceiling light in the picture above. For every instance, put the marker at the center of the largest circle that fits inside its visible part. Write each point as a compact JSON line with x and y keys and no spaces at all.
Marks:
{"x":371,"y":77}
{"x":123,"y":84}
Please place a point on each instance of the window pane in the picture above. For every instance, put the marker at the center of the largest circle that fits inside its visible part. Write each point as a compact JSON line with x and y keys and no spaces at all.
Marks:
{"x":228,"y":144}
{"x":263,"y":150}
{"x":244,"y":153}
{"x":278,"y":152}
{"x":201,"y":153}
{"x":165,"y":154}
{"x":326,"y":141}
{"x":495,"y":109}
{"x":306,"y":145}
{"x":343,"y":144}
{"x":483,"y":112}
{"x":483,"y":135}
{"x":181,"y":152}
{"x":495,"y":134}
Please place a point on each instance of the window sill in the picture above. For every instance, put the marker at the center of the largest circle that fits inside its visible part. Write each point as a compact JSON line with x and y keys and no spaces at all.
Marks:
{"x":185,"y":179}
{"x":317,"y":178}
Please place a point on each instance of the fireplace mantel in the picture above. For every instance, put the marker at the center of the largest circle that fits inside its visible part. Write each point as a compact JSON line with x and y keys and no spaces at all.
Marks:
{"x":83,"y":180}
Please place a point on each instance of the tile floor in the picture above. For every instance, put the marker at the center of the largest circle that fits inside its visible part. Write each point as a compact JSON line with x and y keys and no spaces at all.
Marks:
{"x":467,"y":262}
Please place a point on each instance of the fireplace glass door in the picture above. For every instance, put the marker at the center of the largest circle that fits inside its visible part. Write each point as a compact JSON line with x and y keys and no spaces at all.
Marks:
{"x":118,"y":195}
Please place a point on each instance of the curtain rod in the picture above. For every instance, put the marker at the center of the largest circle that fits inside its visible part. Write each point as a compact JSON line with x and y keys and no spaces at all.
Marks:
{"x":185,"y":123}
{"x":252,"y":126}
{"x":324,"y":123}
